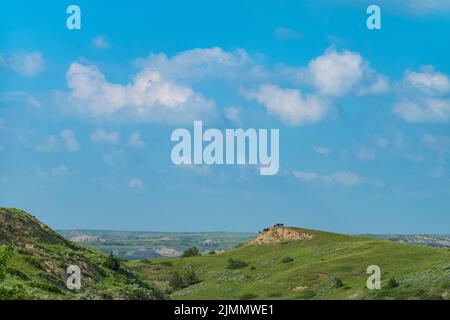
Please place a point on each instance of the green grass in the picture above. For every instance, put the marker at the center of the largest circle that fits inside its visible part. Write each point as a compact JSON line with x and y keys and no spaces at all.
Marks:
{"x":328,"y":266}
{"x":422,"y":272}
{"x":41,"y":256}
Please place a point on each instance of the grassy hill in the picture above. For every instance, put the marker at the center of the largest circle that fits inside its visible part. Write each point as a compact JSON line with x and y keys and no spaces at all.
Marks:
{"x":35,"y":266}
{"x":281,"y":263}
{"x":314,"y":265}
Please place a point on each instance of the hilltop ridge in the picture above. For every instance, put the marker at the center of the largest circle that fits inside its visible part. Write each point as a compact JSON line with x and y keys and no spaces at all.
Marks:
{"x":281,"y":233}
{"x":295,"y":263}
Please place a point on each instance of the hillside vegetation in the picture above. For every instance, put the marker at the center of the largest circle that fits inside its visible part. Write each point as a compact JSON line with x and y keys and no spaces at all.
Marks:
{"x":280,"y":263}
{"x":34,"y":260}
{"x":306,"y":264}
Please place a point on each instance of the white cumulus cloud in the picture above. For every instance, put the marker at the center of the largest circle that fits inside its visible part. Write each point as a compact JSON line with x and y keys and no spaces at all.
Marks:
{"x":149,"y":97}
{"x":423,"y":110}
{"x":289,"y":105}
{"x":424,"y":98}
{"x":428,"y":81}
{"x":335,"y":73}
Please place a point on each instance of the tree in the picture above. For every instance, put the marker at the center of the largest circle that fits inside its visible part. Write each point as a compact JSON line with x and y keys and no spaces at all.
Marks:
{"x":191,"y":252}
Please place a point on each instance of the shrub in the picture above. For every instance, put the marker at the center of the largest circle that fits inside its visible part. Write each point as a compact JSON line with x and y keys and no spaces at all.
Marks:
{"x":274,"y":295}
{"x":178,"y":281}
{"x":337,"y":283}
{"x":112,"y":262}
{"x":392,"y":283}
{"x":167,"y":264}
{"x":190,"y":278}
{"x":248,"y":296}
{"x":5,"y":256}
{"x":236,"y":264}
{"x":190,"y":252}
{"x":287,"y":260}
{"x":212,"y":252}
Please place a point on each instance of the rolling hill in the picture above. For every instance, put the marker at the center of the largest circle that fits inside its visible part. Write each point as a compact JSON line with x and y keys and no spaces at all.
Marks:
{"x":36,"y":268}
{"x":279,"y":263}
{"x":293,"y":263}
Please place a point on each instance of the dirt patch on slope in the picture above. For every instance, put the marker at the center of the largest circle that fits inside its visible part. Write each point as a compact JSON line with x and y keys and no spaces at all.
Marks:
{"x":276,"y":235}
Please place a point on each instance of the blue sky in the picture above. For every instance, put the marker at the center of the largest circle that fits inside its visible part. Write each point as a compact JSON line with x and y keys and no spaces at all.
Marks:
{"x":86,"y":115}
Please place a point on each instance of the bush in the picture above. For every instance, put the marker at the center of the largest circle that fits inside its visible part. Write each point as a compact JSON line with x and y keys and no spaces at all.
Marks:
{"x":112,"y":262}
{"x":16,"y":292}
{"x":248,"y":296}
{"x":190,"y":252}
{"x":212,"y":252}
{"x":178,"y":281}
{"x":236,"y":264}
{"x":287,"y":260}
{"x":337,"y":283}
{"x":5,"y":256}
{"x":190,"y":278}
{"x":392,"y":283}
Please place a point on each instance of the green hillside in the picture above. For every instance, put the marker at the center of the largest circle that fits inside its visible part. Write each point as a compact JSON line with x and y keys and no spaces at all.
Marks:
{"x":282,"y":263}
{"x":34,"y":259}
{"x":327,"y":266}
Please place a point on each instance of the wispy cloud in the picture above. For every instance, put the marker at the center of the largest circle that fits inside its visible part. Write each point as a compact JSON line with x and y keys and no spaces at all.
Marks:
{"x":324,"y":151}
{"x":135,"y":183}
{"x":365,"y":154}
{"x":21,"y":97}
{"x":65,"y":141}
{"x":102,"y":136}
{"x":135,"y":140}
{"x":100,"y":42}
{"x":343,"y":178}
{"x":28,"y":64}
{"x":287,"y":34}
